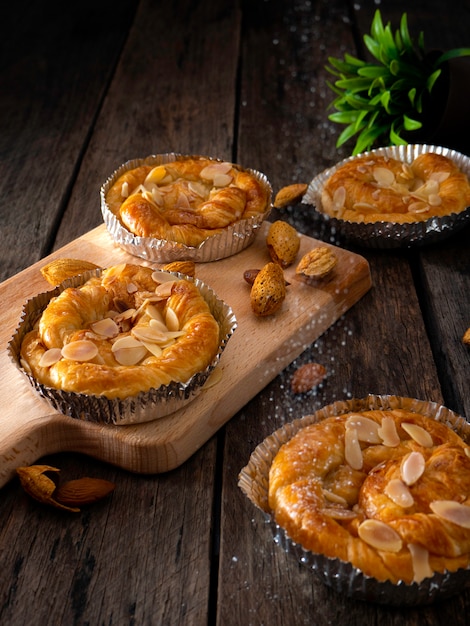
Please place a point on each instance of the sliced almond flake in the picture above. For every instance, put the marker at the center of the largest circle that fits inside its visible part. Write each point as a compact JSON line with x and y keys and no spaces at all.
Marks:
{"x":125,"y":315}
{"x":222,"y":180}
{"x":379,"y":535}
{"x":362,"y":169}
{"x":149,"y":334}
{"x":81,"y":350}
{"x":160,"y":276}
{"x":434,"y":199}
{"x":50,"y":357}
{"x":214,"y":378}
{"x":339,"y":198}
{"x":211,"y":171}
{"x":158,"y":325}
{"x":171,"y":320}
{"x":452,"y":511}
{"x":333,"y":497}
{"x":418,"y":207}
{"x":352,"y":449}
{"x":106,"y":327}
{"x":418,"y":434}
{"x":153,"y":348}
{"x":367,"y":429}
{"x":130,"y":356}
{"x":182,"y":202}
{"x":388,"y":432}
{"x":131,"y":288}
{"x":383,"y":176}
{"x":412,"y":468}
{"x":164,"y":290}
{"x":440,"y":177}
{"x":199,"y":189}
{"x":339,"y":513}
{"x":399,"y":493}
{"x":420,"y":562}
{"x":156,"y":175}
{"x":157,"y":196}
{"x":155,"y":313}
{"x":125,"y":190}
{"x":467,"y":451}
{"x":126,"y":343}
{"x":364,"y":207}
{"x":407,"y":171}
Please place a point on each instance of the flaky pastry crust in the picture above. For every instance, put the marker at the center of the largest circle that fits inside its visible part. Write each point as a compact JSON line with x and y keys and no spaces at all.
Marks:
{"x":325,"y":495}
{"x":186,"y":201}
{"x":122,"y":333}
{"x":375,"y":188}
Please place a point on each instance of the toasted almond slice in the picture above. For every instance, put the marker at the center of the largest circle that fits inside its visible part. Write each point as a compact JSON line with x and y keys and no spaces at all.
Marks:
{"x":160,"y":276}
{"x":339,"y":198}
{"x":153,"y":348}
{"x":125,"y":315}
{"x":339,"y":513}
{"x":171,"y":320}
{"x":440,"y":177}
{"x":412,"y":468}
{"x":418,"y":434}
{"x":383,"y":176}
{"x":367,"y":429}
{"x":50,"y":357}
{"x":125,"y":343}
{"x":364,"y":207}
{"x":128,"y":351}
{"x":352,"y":449}
{"x":214,"y":169}
{"x":106,"y":327}
{"x":158,"y":325}
{"x":199,"y":189}
{"x":222,"y":180}
{"x":154,"y":313}
{"x":131,"y":288}
{"x":418,"y":207}
{"x":399,"y":493}
{"x":434,"y":199}
{"x":333,"y":497}
{"x":156,"y":175}
{"x":379,"y":535}
{"x":81,"y":350}
{"x":164,"y":290}
{"x":125,"y":189}
{"x":388,"y":432}
{"x":420,"y":562}
{"x":452,"y":511}
{"x":149,"y":334}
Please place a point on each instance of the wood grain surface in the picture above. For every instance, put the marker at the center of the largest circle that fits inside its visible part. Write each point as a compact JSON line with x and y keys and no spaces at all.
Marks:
{"x":259,"y":349}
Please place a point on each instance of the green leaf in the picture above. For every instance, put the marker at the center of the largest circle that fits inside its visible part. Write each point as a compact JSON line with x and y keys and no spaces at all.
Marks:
{"x":410,"y":124}
{"x":344,"y":117}
{"x":395,"y":138}
{"x":405,"y":34}
{"x":453,"y":54}
{"x":432,"y":80}
{"x":373,"y":46}
{"x":367,"y":138}
{"x":353,"y":84}
{"x":385,"y":100}
{"x":412,"y":96}
{"x":373,"y":71}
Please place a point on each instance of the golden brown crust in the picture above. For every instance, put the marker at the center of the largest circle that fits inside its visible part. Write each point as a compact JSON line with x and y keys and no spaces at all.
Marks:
{"x":321,"y":500}
{"x":127,"y":294}
{"x":376,"y":188}
{"x":187,"y":200}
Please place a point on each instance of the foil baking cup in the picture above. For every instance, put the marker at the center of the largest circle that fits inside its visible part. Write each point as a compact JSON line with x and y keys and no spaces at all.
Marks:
{"x":341,"y":576}
{"x":386,"y":235}
{"x":230,"y":241}
{"x":143,"y":407}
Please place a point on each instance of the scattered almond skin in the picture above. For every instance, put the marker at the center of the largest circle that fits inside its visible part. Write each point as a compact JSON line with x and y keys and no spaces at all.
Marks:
{"x":82,"y":491}
{"x":307,"y":376}
{"x":59,"y":270}
{"x":466,"y":337}
{"x":268,"y":291}
{"x":188,"y":268}
{"x":283,"y":243}
{"x":316,"y":264}
{"x":69,"y":496}
{"x":291,"y":194}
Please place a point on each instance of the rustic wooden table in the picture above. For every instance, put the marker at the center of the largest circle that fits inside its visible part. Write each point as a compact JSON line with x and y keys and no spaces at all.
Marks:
{"x":86,"y":86}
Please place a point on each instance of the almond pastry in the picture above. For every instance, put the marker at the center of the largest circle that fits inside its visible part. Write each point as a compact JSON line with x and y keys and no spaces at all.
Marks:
{"x":386,"y":490}
{"x":374,"y":188}
{"x":187,"y":200}
{"x":128,"y":330}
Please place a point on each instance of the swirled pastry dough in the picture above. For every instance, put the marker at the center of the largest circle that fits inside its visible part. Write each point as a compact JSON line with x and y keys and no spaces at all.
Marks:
{"x":187,"y":200}
{"x":386,"y":490}
{"x":375,"y":188}
{"x":121,"y":333}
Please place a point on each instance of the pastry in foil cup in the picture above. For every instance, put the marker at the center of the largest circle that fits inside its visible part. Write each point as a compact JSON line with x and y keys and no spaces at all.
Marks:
{"x":341,"y":576}
{"x":387,"y":234}
{"x":230,"y":241}
{"x":143,"y":407}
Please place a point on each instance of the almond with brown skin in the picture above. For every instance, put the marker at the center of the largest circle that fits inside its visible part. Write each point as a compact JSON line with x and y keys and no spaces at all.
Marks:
{"x":291,"y":194}
{"x":41,"y":487}
{"x":82,"y":491}
{"x":466,"y":337}
{"x":268,"y":291}
{"x":316,"y":264}
{"x":307,"y":376}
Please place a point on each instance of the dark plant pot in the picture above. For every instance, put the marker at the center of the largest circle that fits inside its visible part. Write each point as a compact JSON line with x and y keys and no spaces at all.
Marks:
{"x":447,"y":113}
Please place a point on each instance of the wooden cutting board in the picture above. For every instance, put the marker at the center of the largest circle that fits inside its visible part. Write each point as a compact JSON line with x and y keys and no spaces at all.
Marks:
{"x":259,"y":349}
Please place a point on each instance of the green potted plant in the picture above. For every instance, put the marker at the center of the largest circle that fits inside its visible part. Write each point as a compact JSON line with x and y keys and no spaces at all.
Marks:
{"x":397,"y":96}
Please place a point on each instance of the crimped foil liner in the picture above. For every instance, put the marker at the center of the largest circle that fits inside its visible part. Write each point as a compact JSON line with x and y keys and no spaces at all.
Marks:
{"x":339,"y":575}
{"x":386,"y":235}
{"x":143,"y":407}
{"x":230,"y":241}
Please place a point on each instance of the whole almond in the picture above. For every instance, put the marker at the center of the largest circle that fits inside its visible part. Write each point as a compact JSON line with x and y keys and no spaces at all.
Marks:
{"x":283,"y":243}
{"x":82,"y":491}
{"x":307,"y":376}
{"x":268,"y":291}
{"x":316,"y":264}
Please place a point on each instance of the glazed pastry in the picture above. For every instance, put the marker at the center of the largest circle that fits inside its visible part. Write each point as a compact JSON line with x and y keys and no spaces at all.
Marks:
{"x":187,"y":200}
{"x":375,"y":188}
{"x":126,"y":331}
{"x":386,"y":490}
